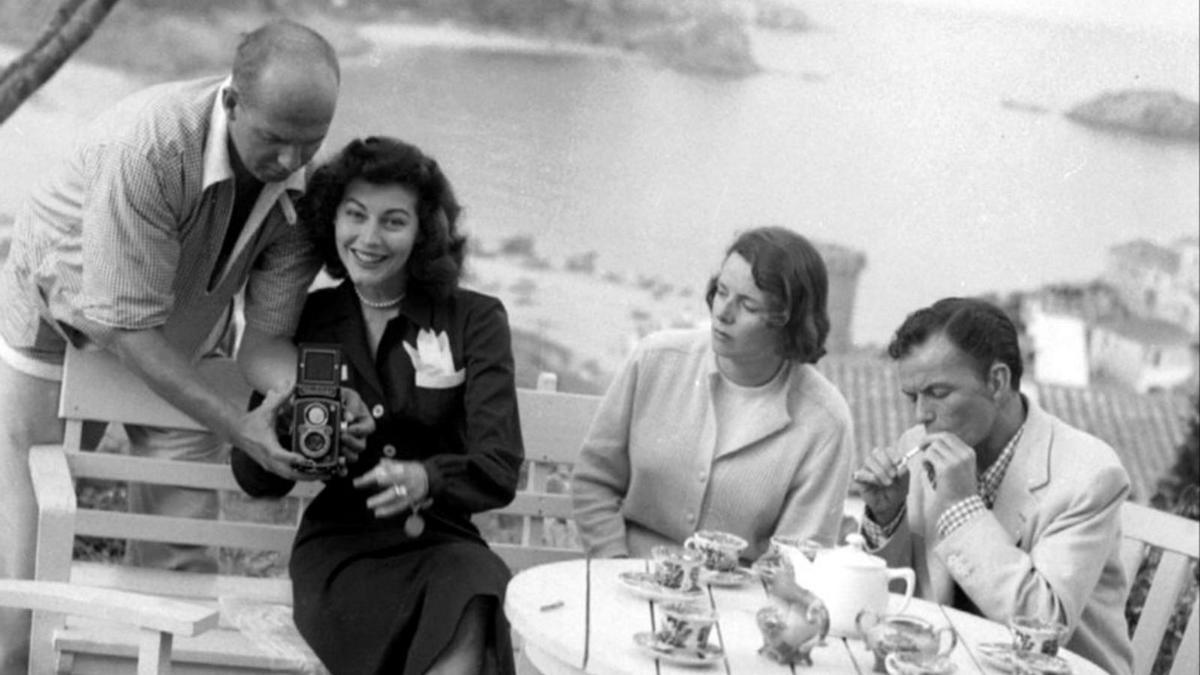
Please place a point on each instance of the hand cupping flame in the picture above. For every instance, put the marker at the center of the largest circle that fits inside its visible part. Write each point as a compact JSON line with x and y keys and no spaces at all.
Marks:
{"x":433,"y":361}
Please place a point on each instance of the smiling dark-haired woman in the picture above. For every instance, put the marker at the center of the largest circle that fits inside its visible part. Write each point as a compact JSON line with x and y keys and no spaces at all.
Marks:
{"x":389,"y":575}
{"x":728,"y":428}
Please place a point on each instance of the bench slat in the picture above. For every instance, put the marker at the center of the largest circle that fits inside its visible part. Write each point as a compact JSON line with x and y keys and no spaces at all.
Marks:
{"x":120,"y":525}
{"x":217,"y":649}
{"x":91,"y":378}
{"x":104,"y":466}
{"x":146,"y":611}
{"x":538,"y":504}
{"x":554,"y":424}
{"x":184,"y":585}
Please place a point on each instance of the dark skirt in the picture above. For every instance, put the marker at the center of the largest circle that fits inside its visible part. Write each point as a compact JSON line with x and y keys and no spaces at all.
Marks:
{"x":393,"y":609}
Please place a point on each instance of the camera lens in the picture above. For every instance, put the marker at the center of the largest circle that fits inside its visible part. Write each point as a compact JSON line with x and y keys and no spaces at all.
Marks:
{"x":316,"y":414}
{"x":314,"y":443}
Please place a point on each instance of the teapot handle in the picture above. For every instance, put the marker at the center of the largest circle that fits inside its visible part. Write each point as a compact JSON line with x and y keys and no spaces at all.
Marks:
{"x":910,"y":581}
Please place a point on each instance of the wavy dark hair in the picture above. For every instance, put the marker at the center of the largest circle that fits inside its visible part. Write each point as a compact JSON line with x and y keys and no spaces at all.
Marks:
{"x":790,"y":271}
{"x":436,"y":261}
{"x":980,"y":329}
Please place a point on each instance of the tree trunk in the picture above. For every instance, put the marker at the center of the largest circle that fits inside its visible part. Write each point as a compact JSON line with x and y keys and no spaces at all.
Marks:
{"x":73,"y":23}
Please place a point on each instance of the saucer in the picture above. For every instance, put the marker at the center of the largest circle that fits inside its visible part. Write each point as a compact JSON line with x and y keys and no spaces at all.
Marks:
{"x":997,"y":654}
{"x":903,"y":664}
{"x":738,"y":577}
{"x":685,"y":657}
{"x":643,"y":585}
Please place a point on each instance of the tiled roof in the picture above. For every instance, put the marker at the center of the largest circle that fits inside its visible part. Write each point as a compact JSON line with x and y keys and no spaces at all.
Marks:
{"x":1145,"y":429}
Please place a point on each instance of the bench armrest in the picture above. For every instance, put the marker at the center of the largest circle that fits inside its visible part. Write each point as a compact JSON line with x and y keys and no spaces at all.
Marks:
{"x":135,"y":609}
{"x":55,"y":493}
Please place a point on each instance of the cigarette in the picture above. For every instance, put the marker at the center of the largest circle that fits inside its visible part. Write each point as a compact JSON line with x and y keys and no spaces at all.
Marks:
{"x":907,"y":456}
{"x":554,"y":605}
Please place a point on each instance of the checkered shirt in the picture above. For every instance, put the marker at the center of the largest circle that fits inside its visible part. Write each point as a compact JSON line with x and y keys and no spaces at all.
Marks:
{"x":126,"y":234}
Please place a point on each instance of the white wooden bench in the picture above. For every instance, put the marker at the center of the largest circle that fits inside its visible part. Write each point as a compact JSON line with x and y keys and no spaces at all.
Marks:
{"x":224,"y":622}
{"x":1178,"y":540}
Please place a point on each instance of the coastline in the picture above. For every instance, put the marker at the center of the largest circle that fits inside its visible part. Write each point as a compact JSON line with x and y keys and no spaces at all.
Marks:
{"x":542,"y":296}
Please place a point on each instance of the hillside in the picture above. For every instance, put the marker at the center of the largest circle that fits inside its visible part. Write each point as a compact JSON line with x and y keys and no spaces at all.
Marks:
{"x":1150,"y":112}
{"x":175,"y":38}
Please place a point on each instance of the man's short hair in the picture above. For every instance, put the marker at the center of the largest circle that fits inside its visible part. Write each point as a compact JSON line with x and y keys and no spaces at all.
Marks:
{"x":981,"y":330}
{"x":280,"y":39}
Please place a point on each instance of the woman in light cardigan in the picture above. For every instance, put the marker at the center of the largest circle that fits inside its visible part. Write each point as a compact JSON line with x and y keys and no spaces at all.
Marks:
{"x":726,"y":428}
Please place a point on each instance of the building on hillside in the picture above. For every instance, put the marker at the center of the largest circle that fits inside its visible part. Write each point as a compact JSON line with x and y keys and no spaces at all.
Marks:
{"x":1143,"y":354}
{"x":844,"y":266}
{"x":1056,"y":344}
{"x":1144,"y":429}
{"x":1160,"y":282}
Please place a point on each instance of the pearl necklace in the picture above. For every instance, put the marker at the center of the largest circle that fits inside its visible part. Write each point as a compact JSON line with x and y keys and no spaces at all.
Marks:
{"x":379,"y":304}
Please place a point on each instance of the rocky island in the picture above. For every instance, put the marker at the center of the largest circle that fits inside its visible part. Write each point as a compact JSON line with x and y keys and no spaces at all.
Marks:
{"x":1151,"y":112}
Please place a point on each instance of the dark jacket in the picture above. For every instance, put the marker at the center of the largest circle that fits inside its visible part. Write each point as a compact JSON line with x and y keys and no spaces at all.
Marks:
{"x":467,"y":436}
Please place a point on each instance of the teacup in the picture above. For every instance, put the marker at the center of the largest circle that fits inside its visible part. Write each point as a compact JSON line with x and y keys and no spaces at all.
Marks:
{"x":721,"y":549}
{"x":676,"y":568}
{"x":1032,"y":634}
{"x":904,"y":634}
{"x":1036,"y":663}
{"x":685,"y":625}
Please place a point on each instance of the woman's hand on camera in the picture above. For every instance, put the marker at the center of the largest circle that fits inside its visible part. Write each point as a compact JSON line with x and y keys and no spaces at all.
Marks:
{"x":255,"y":435}
{"x":357,"y":425}
{"x":398,"y":486}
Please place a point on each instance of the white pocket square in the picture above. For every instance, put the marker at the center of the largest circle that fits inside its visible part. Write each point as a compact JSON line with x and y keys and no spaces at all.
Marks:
{"x":433,"y":361}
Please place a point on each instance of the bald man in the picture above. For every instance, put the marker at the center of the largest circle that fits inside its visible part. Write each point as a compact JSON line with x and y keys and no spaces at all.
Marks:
{"x":171,"y":203}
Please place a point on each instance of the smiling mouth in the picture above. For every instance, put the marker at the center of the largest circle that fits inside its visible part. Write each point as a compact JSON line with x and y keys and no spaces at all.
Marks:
{"x":365,"y":258}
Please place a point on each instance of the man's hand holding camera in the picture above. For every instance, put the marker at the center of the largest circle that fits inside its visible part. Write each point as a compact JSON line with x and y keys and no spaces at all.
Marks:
{"x":314,"y":431}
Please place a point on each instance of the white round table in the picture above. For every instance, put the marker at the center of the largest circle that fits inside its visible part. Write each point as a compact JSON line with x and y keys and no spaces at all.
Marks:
{"x":577,"y":617}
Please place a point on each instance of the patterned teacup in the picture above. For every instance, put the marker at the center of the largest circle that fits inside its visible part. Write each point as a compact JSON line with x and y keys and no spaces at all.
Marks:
{"x":721,"y":549}
{"x":1032,"y":634}
{"x":677,"y":569}
{"x":685,"y":625}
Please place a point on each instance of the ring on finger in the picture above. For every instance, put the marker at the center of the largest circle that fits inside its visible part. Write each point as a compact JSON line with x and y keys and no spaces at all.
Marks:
{"x":400,"y":490}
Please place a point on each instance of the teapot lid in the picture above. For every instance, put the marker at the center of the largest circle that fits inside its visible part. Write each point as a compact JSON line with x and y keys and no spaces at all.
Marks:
{"x":853,"y":554}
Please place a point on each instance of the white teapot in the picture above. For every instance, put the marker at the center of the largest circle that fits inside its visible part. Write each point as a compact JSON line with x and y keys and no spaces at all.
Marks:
{"x":850,"y":580}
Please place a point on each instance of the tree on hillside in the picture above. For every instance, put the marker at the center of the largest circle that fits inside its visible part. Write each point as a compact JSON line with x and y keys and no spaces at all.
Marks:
{"x":72,"y":24}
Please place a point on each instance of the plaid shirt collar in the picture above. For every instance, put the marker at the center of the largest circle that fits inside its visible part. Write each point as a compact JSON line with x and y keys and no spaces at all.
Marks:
{"x":989,"y":481}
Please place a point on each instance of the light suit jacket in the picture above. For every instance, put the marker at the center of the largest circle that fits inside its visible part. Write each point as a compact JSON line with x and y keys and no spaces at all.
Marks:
{"x":1050,"y":544}
{"x":649,"y":472}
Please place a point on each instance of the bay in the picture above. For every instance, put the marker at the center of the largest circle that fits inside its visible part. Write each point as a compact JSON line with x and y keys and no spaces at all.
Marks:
{"x":883,"y":129}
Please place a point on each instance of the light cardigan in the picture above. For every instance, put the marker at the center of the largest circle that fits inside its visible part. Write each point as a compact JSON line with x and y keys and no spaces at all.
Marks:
{"x":1050,"y":544}
{"x":647,"y":473}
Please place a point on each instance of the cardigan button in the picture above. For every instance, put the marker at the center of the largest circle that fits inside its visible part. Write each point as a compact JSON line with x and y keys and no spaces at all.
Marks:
{"x":377,"y":411}
{"x":389,"y":450}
